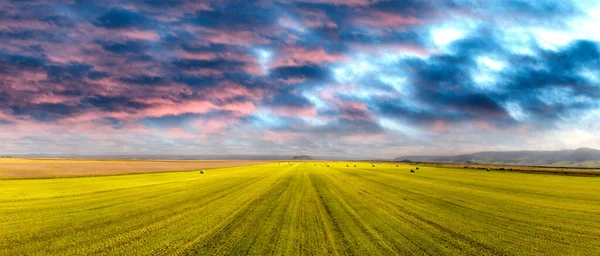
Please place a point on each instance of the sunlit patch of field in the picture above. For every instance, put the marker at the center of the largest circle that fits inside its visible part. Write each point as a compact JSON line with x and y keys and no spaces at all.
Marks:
{"x":302,"y":209}
{"x":11,"y":168}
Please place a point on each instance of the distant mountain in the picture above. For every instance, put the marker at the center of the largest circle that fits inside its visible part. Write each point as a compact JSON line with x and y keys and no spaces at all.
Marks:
{"x":302,"y":157}
{"x":581,"y":157}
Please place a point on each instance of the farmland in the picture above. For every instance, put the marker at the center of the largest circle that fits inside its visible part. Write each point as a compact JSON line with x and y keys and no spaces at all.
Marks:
{"x":303,"y":208}
{"x":13,"y":168}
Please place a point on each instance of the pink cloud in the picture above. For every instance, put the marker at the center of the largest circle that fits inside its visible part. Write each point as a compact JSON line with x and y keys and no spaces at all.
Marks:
{"x":365,"y":138}
{"x":230,"y":90}
{"x":341,"y":2}
{"x":298,"y":56}
{"x":438,"y":126}
{"x":26,"y":24}
{"x":316,"y":19}
{"x":484,"y":125}
{"x":386,"y":19}
{"x":139,"y":34}
{"x":196,"y":55}
{"x":231,"y":37}
{"x":354,"y":110}
{"x":295,"y":111}
{"x":280,"y":137}
{"x":50,"y":98}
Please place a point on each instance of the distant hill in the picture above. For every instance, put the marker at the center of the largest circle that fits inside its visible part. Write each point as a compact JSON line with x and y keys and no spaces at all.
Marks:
{"x":581,"y":157}
{"x":302,"y":157}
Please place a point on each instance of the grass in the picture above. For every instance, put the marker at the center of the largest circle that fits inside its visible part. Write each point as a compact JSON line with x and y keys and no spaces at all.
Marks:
{"x":573,"y":171}
{"x":303,"y":209}
{"x":24,"y":168}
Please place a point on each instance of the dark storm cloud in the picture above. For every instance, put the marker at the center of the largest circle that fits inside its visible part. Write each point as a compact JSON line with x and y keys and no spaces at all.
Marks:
{"x":35,"y":35}
{"x":70,"y":71}
{"x":309,"y":72}
{"x":196,"y":81}
{"x":145,"y":80}
{"x":125,"y":47}
{"x":121,"y":18}
{"x":235,"y":15}
{"x":444,"y":82}
{"x":20,"y":62}
{"x":289,"y":99}
{"x":218,"y":64}
{"x":94,"y":75}
{"x":46,"y":111}
{"x":113,"y":104}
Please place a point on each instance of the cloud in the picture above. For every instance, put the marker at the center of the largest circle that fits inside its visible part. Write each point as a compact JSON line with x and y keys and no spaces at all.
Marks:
{"x":311,"y":76}
{"x":309,"y":72}
{"x":125,"y":47}
{"x":121,"y":18}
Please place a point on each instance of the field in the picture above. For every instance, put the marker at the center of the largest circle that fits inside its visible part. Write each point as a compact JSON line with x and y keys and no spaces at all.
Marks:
{"x":573,"y":171}
{"x":13,"y":168}
{"x":303,"y":209}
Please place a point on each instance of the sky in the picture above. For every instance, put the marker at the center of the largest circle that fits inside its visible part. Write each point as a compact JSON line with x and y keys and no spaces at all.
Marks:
{"x":355,"y":78}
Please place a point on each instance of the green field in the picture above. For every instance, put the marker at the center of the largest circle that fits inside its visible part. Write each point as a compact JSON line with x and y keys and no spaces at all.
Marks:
{"x":302,"y":209}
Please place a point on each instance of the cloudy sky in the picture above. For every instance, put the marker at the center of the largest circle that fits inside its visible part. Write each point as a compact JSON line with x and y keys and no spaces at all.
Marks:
{"x":360,"y":78}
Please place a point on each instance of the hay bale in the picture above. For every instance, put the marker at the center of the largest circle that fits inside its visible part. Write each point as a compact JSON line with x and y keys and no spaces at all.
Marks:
{"x":202,"y":172}
{"x":411,"y":170}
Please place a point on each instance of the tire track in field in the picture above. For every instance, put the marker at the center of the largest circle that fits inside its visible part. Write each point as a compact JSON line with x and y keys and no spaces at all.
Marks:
{"x":511,"y":226}
{"x":200,"y":243}
{"x":359,"y":209}
{"x":285,"y":240}
{"x":272,"y":222}
{"x":242,"y":228}
{"x":336,"y":232}
{"x":348,"y":219}
{"x":321,"y":222}
{"x":171,"y":218}
{"x":390,"y":213}
{"x":442,"y":228}
{"x":64,"y":236}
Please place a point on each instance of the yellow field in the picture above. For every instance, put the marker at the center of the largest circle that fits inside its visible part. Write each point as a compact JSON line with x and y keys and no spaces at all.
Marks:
{"x":12,"y":168}
{"x":303,"y":209}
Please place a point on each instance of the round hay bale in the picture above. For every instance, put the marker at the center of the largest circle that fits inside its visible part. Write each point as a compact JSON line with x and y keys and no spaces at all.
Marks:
{"x":202,"y":172}
{"x":411,"y":170}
